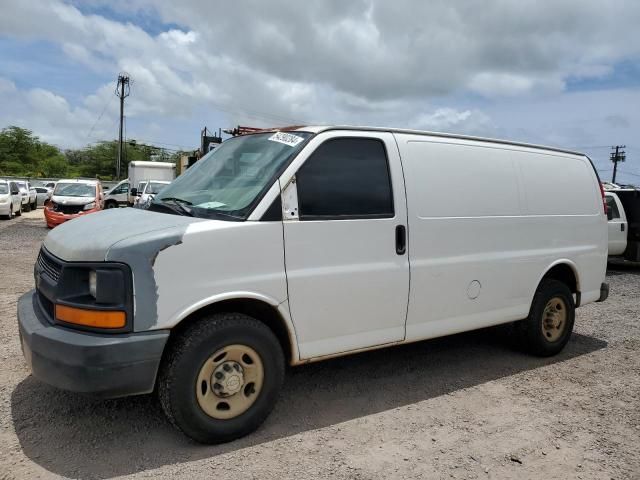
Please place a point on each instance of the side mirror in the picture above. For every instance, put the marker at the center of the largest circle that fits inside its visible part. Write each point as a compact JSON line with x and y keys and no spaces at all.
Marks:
{"x":134,"y":192}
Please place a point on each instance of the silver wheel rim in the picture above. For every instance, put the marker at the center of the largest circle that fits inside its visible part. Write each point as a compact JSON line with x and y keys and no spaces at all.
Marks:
{"x":554,"y":319}
{"x":230,"y":381}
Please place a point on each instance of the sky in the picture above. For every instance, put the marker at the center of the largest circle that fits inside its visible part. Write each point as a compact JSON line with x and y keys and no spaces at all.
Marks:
{"x":564,"y":73}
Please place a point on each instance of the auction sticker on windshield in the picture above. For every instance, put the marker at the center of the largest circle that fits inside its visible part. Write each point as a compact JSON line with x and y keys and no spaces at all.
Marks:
{"x":286,"y":138}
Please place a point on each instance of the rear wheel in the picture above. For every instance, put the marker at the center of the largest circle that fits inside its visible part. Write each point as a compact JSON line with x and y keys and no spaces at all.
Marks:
{"x":548,"y":327}
{"x":221,"y":377}
{"x":111,"y":204}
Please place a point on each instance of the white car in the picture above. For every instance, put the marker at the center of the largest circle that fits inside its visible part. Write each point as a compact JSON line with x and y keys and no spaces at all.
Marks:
{"x":290,"y":247}
{"x":10,"y":199}
{"x":149,"y":190}
{"x":29,"y":195}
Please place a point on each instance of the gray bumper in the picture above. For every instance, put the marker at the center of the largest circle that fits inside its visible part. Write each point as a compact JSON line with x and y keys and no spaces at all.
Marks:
{"x":104,"y":365}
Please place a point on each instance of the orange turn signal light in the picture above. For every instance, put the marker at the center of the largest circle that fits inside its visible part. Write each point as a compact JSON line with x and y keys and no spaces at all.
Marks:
{"x":91,"y":318}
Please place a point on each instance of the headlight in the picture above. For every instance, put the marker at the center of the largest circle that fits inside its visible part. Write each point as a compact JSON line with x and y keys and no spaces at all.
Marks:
{"x":92,"y":283}
{"x":4,"y":200}
{"x":89,"y":206}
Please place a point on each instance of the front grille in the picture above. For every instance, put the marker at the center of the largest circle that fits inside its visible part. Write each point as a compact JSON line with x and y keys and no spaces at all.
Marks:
{"x":49,"y":266}
{"x":67,"y":209}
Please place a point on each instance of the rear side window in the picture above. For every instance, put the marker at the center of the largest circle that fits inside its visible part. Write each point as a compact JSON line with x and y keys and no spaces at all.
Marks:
{"x":345,"y":178}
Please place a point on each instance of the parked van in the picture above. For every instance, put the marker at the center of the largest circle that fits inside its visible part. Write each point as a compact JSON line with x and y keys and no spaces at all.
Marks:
{"x":118,"y":196}
{"x":296,"y":246}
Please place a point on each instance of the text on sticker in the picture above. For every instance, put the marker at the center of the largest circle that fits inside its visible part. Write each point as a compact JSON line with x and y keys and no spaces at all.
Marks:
{"x":286,"y":138}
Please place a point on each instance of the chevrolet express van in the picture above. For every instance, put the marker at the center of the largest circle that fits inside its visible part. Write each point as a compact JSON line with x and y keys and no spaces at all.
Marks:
{"x":286,"y":247}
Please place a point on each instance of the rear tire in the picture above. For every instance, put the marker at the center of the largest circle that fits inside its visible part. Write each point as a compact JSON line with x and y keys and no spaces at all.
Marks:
{"x":111,"y":204}
{"x":187,"y":385}
{"x":548,"y":327}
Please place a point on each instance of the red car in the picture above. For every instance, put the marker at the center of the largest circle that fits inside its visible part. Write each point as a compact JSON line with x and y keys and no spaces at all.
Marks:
{"x":71,"y":199}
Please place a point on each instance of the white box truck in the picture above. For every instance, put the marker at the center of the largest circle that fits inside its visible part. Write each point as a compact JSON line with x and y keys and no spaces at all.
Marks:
{"x":141,"y":172}
{"x":288,"y":247}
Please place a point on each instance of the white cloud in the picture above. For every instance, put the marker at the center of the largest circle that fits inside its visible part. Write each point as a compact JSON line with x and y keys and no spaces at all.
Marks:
{"x":439,"y":65}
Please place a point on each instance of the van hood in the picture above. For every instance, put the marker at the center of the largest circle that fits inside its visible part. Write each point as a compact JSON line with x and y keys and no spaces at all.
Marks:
{"x":65,"y":200}
{"x":88,"y":238}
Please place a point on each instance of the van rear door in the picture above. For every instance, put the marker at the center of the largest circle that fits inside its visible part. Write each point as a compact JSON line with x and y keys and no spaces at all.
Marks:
{"x":345,"y":243}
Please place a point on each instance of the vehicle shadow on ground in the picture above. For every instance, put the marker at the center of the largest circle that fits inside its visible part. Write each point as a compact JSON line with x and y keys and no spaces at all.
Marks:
{"x":622,"y":267}
{"x":79,"y":437}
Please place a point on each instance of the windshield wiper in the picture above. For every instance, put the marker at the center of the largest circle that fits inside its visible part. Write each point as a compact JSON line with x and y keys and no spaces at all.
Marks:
{"x":180,"y":204}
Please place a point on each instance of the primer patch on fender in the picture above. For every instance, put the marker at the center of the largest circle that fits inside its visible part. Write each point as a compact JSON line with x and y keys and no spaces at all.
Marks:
{"x":286,"y":138}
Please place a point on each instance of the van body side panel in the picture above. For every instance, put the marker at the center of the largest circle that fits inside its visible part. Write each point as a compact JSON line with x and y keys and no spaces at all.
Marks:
{"x":477,"y":249}
{"x":219,"y":260}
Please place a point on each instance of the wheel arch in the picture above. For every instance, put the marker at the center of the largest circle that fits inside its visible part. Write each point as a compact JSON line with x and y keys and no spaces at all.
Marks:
{"x":266,"y":310}
{"x":565,"y":271}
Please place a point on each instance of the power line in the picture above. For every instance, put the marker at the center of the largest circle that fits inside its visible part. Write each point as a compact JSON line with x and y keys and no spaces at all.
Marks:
{"x":629,"y":173}
{"x":104,"y":109}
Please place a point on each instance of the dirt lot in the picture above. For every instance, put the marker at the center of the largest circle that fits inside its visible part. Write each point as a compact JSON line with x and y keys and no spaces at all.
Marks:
{"x":467,"y":406}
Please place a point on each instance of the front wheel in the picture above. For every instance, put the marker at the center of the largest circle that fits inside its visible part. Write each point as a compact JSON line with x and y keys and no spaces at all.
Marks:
{"x":221,"y":377}
{"x":111,"y":205}
{"x":19,"y":211}
{"x":548,"y":327}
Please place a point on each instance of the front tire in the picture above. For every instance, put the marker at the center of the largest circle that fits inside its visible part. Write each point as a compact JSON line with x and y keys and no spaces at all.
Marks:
{"x":547,"y":329}
{"x":221,"y":377}
{"x":111,"y":205}
{"x":19,"y":212}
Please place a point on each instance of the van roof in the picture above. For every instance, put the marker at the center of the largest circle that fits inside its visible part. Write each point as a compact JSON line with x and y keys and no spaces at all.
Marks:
{"x":324,"y":128}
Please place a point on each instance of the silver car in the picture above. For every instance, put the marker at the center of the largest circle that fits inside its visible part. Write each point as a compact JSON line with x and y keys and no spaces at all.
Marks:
{"x":42,"y":195}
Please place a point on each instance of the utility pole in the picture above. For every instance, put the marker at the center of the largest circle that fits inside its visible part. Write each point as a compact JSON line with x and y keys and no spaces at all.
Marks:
{"x":617,"y":156}
{"x":122,"y":92}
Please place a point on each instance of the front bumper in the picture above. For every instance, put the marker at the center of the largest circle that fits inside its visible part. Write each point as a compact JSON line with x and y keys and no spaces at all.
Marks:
{"x":102,"y":365}
{"x":54,"y":218}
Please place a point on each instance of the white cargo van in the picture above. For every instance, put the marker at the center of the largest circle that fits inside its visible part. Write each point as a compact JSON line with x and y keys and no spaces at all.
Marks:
{"x":286,"y":247}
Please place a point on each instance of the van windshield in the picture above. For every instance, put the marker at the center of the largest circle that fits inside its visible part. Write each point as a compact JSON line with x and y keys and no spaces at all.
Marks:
{"x":228,"y":181}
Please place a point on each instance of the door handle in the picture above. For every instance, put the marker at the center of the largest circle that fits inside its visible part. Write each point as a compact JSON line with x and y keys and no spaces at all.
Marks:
{"x":622,"y":227}
{"x":401,"y":239}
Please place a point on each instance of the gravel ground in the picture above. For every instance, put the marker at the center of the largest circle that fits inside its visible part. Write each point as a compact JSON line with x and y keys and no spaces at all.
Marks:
{"x":466,"y":406}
